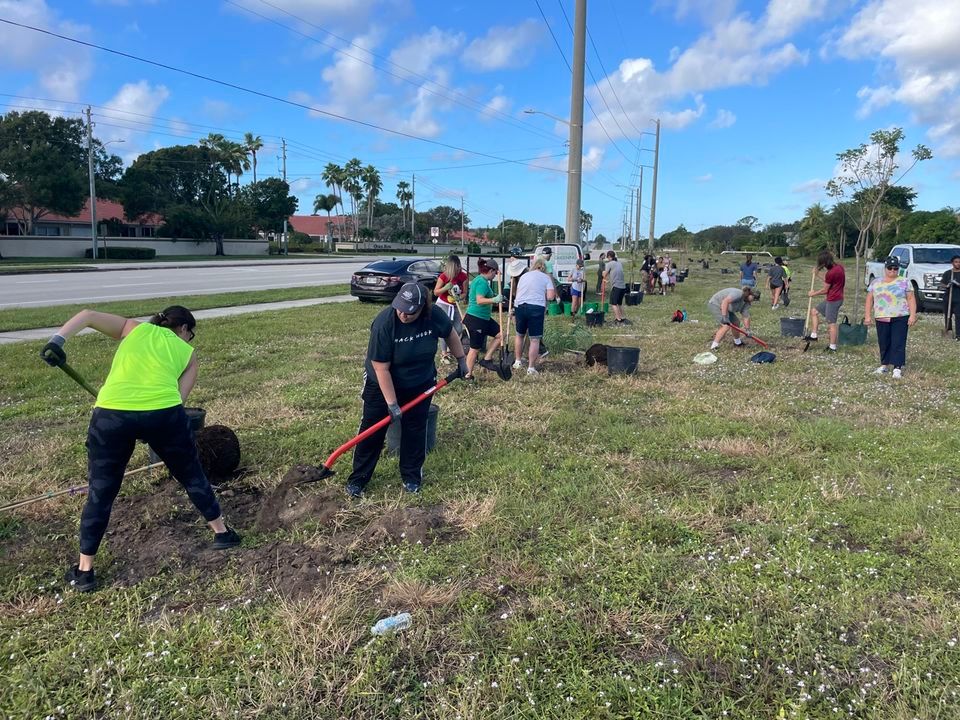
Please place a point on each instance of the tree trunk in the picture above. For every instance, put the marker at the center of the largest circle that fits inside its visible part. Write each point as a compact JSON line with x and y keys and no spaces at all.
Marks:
{"x":254,"y":153}
{"x":218,"y":239}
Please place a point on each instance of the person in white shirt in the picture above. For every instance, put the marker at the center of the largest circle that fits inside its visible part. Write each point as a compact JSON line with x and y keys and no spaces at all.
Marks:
{"x":534,"y":290}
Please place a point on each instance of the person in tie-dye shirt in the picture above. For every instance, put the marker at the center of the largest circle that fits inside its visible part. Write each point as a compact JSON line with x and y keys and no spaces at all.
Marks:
{"x":891,"y":302}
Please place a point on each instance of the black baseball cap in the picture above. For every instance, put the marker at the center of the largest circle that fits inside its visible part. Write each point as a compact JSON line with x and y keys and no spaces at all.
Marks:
{"x":410,"y":299}
{"x":891,"y":262}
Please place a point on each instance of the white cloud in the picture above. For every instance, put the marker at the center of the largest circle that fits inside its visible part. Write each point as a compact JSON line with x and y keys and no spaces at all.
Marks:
{"x":813,"y":189}
{"x":217,"y":110}
{"x":592,"y":160}
{"x":350,"y":81}
{"x":704,"y":178}
{"x":419,"y":54}
{"x":707,"y":11}
{"x":353,"y":14}
{"x":141,"y":98}
{"x":917,"y":47}
{"x":504,"y":47}
{"x":724,"y":119}
{"x":61,"y":68}
{"x":498,"y":104}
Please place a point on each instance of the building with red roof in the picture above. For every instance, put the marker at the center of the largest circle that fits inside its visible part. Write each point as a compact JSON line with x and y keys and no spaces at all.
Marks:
{"x":109,"y":212}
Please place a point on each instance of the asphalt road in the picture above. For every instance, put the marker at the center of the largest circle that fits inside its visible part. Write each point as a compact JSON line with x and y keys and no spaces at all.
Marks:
{"x":106,"y":285}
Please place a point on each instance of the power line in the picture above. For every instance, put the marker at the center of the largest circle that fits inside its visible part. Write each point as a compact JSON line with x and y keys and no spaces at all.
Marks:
{"x":610,"y":85}
{"x":405,"y":74}
{"x":268,"y":96}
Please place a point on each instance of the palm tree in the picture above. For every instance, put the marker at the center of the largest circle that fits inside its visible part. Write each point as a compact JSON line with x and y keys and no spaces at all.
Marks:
{"x":813,"y":228}
{"x":326,"y":203}
{"x":232,"y":155}
{"x":404,"y":196}
{"x":334,"y":176}
{"x":372,"y":184}
{"x":353,"y":184}
{"x":253,"y":145}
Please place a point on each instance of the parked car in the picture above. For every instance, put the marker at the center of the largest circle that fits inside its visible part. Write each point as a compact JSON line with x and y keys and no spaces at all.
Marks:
{"x":923,"y":265}
{"x":381,"y":280}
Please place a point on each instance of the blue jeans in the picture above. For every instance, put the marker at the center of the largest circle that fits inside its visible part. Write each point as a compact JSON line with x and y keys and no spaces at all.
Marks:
{"x":748,"y":282}
{"x":892,"y":337}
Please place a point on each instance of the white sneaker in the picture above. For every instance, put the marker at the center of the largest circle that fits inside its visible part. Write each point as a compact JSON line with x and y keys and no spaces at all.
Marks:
{"x":880,"y":370}
{"x":897,"y":374}
{"x":518,"y":365}
{"x":714,"y":345}
{"x":531,"y":372}
{"x":738,"y":342}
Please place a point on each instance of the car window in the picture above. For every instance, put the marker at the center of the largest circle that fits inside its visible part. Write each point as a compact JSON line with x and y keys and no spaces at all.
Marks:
{"x":935,"y":256}
{"x":417,"y":267}
{"x":424,"y":267}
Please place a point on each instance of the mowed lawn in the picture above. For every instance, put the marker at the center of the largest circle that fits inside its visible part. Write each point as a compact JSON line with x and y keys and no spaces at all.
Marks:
{"x":724,"y":541}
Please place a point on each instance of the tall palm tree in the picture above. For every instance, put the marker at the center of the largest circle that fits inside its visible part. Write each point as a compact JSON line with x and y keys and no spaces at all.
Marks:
{"x":404,"y":196}
{"x":327,"y":203}
{"x":232,"y":155}
{"x":253,"y":145}
{"x":353,"y":184}
{"x":372,"y":184}
{"x":334,"y":176}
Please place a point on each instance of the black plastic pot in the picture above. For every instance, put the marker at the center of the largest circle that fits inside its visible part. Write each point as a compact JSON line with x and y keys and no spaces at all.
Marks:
{"x":594,"y":319}
{"x":791,"y":327}
{"x":622,"y":360}
{"x":196,"y":417}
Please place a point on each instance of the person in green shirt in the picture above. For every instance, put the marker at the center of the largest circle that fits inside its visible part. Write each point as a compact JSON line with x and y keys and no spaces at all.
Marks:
{"x":478,"y":320}
{"x":152,"y":373}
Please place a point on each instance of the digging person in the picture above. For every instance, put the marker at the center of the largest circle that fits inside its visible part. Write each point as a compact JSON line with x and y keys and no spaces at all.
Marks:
{"x":724,"y":306}
{"x":479,"y":317}
{"x":399,"y":366}
{"x":153,"y":372}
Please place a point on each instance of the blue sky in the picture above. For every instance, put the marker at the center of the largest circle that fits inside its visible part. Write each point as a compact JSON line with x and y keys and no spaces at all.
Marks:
{"x":756,"y":98}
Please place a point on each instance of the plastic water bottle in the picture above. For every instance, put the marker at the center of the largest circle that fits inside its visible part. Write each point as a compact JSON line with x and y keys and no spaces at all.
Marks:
{"x":392,"y":624}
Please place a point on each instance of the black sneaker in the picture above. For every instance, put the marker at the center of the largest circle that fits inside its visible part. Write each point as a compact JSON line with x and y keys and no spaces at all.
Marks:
{"x":354,"y":490}
{"x":488,"y":364}
{"x":80,"y":580}
{"x":411,"y":487}
{"x":225,"y":540}
{"x":809,"y":338}
{"x":831,"y":350}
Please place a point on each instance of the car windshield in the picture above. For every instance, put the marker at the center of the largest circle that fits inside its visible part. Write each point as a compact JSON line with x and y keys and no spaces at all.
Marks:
{"x":935,"y":256}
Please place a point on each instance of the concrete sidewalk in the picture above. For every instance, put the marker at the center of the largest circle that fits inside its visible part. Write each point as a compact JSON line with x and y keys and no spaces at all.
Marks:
{"x":45,"y":333}
{"x":174,"y":264}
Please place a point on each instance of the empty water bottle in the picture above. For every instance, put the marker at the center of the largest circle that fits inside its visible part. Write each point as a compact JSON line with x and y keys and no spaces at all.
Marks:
{"x":392,"y":624}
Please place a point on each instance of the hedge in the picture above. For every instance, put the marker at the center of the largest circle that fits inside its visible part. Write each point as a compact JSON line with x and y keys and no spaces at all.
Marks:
{"x":122,"y":253}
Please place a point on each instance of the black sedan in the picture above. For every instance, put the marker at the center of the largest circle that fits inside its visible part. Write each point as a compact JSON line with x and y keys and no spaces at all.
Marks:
{"x":381,"y":280}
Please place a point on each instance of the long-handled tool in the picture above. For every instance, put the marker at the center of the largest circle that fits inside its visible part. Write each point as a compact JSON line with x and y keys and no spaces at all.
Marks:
{"x":77,"y":377}
{"x":806,"y":323}
{"x":749,"y":335}
{"x":73,"y":490}
{"x":504,"y":365}
{"x":326,"y":470}
{"x":506,"y":333}
{"x":948,"y":319}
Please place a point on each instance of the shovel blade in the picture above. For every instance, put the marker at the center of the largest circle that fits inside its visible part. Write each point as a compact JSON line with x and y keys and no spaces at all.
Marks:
{"x":320,"y":472}
{"x":505,"y":369}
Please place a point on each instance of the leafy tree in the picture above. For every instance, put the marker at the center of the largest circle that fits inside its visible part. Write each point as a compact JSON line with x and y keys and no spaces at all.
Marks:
{"x":326,"y":203}
{"x":940,"y":226}
{"x":444,"y":217}
{"x":814,"y":229}
{"x":599,"y":241}
{"x":867,"y":174}
{"x":353,"y":185}
{"x":232,"y":155}
{"x":43,"y":165}
{"x":680,"y":237}
{"x":253,"y":145}
{"x":268,"y":203}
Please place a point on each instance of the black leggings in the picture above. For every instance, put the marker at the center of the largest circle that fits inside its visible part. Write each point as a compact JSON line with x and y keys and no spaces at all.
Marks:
{"x":110,"y":441}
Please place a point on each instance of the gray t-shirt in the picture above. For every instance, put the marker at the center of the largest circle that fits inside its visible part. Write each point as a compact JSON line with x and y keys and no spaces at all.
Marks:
{"x":737,"y":303}
{"x":615,"y":274}
{"x":776,"y":275}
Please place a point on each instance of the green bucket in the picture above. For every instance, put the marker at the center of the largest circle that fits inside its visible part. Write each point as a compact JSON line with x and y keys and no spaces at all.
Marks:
{"x":591,"y":306}
{"x":554,"y":308}
{"x":568,"y":308}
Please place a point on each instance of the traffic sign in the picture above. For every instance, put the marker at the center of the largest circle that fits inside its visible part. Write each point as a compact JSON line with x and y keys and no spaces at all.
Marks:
{"x":435,"y":232}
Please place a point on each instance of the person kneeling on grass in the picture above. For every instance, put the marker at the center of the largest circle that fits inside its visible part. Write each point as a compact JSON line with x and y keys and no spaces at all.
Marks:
{"x":534,"y":290}
{"x":153,"y":372}
{"x":725,"y":305}
{"x":478,"y":320}
{"x":400,"y":366}
{"x":891,"y":303}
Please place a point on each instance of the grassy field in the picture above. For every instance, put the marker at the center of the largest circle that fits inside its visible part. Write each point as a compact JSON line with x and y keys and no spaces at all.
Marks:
{"x":727,"y":541}
{"x":38,"y":317}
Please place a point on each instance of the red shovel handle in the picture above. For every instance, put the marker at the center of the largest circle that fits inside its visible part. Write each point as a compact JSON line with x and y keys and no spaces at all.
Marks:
{"x":379,"y":425}
{"x":753,"y":337}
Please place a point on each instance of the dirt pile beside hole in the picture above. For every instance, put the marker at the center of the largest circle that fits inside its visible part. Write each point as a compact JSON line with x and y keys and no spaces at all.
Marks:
{"x":596,"y":355}
{"x":219,"y":451}
{"x":296,"y":499}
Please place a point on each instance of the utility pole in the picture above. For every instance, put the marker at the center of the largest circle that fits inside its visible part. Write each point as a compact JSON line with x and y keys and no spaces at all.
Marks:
{"x":628,"y":239}
{"x":636,"y":227}
{"x":575,"y":159}
{"x":93,"y":186}
{"x":286,"y":246}
{"x":653,"y":202}
{"x":413,"y":211}
{"x":463,"y":242}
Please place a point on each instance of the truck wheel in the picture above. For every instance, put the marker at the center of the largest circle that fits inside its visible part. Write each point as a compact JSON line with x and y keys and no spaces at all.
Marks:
{"x":918,"y":296}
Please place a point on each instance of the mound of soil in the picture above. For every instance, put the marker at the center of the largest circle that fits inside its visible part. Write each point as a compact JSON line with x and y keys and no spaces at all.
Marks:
{"x":413,"y":525}
{"x":294,"y":500}
{"x":219,"y":451}
{"x":596,"y":355}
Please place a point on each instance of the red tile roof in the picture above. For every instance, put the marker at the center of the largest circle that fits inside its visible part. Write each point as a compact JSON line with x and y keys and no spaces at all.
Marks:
{"x":317,"y":224}
{"x":106,"y":209}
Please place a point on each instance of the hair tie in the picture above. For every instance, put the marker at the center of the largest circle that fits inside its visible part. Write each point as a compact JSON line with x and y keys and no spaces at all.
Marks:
{"x":161,"y":315}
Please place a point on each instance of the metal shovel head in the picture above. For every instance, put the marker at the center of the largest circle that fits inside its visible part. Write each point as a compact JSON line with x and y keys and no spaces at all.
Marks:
{"x":505,"y":367}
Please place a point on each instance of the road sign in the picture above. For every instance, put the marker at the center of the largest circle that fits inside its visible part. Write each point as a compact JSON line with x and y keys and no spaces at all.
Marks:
{"x":435,"y":232}
{"x":436,"y":240}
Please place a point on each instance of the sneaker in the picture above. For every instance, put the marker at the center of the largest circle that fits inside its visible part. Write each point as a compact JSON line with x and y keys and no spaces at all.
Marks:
{"x":532,"y":372}
{"x":80,"y":580}
{"x":897,"y":374}
{"x":831,"y":349}
{"x":411,"y":487}
{"x":880,"y":370}
{"x":738,"y":343}
{"x":810,"y":338}
{"x":225,"y":540}
{"x":518,"y":365}
{"x":354,"y":490}
{"x":714,"y":346}
{"x":488,"y":364}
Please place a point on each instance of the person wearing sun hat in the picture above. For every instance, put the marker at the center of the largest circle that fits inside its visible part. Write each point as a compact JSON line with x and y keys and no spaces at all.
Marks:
{"x":399,"y":366}
{"x":516,"y":266}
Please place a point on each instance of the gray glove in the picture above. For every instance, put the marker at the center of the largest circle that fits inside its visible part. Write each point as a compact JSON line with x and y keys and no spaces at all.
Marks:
{"x":395,"y":412}
{"x":462,"y":366}
{"x":497,"y":299}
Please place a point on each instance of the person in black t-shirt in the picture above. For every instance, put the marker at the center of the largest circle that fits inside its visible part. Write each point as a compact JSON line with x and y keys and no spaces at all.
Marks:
{"x":399,"y":366}
{"x":950,"y":283}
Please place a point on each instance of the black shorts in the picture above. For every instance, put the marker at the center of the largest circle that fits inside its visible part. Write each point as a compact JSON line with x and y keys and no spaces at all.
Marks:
{"x":480,"y":330}
{"x":617,"y":295}
{"x":530,"y":320}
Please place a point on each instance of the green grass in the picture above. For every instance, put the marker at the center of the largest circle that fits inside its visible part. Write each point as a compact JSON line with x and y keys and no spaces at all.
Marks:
{"x":736,"y":540}
{"x":38,"y":317}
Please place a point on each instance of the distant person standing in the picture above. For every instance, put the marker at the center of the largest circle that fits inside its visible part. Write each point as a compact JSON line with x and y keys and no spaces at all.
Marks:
{"x":891,"y":302}
{"x":777,"y":280}
{"x":600,"y":270}
{"x":618,"y":286}
{"x":833,"y":284}
{"x":479,"y":321}
{"x":748,"y":272}
{"x":450,"y":287}
{"x":724,"y":306}
{"x":534,"y":290}
{"x":578,"y":287}
{"x":547,"y":254}
{"x":950,"y":283}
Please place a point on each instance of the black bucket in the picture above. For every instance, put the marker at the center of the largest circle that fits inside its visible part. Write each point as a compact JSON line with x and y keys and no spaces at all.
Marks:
{"x":394,"y":432}
{"x":196,"y":417}
{"x":594,"y":319}
{"x":634,"y":298}
{"x":636,"y":287}
{"x":622,"y":360}
{"x":791,"y":327}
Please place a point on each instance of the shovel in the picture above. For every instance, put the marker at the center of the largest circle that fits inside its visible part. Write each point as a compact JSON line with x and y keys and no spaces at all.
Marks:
{"x":326,"y":470}
{"x":806,"y":325}
{"x":752,"y":337}
{"x":78,"y":378}
{"x":504,"y":364}
{"x":948,"y":318}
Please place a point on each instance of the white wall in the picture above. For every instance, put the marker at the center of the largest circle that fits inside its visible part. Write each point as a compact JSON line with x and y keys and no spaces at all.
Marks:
{"x":12,"y":246}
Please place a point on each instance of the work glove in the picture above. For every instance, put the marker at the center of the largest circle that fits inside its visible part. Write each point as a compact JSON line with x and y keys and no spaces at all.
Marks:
{"x":462,"y":366}
{"x":395,"y":412}
{"x":497,"y":299}
{"x":52,"y":353}
{"x":748,"y":334}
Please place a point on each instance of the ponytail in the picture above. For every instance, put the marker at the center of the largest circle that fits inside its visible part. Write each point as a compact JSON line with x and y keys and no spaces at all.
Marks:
{"x":173,"y":317}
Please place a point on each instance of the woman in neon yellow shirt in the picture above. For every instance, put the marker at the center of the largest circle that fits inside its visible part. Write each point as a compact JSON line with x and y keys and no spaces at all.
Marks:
{"x":153,"y":372}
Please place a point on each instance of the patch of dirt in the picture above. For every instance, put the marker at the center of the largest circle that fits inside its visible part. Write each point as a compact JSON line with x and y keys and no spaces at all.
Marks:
{"x":416,"y":525}
{"x":293,"y":500}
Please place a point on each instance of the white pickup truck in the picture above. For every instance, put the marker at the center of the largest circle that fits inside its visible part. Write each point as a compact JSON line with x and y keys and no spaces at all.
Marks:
{"x":923,"y":266}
